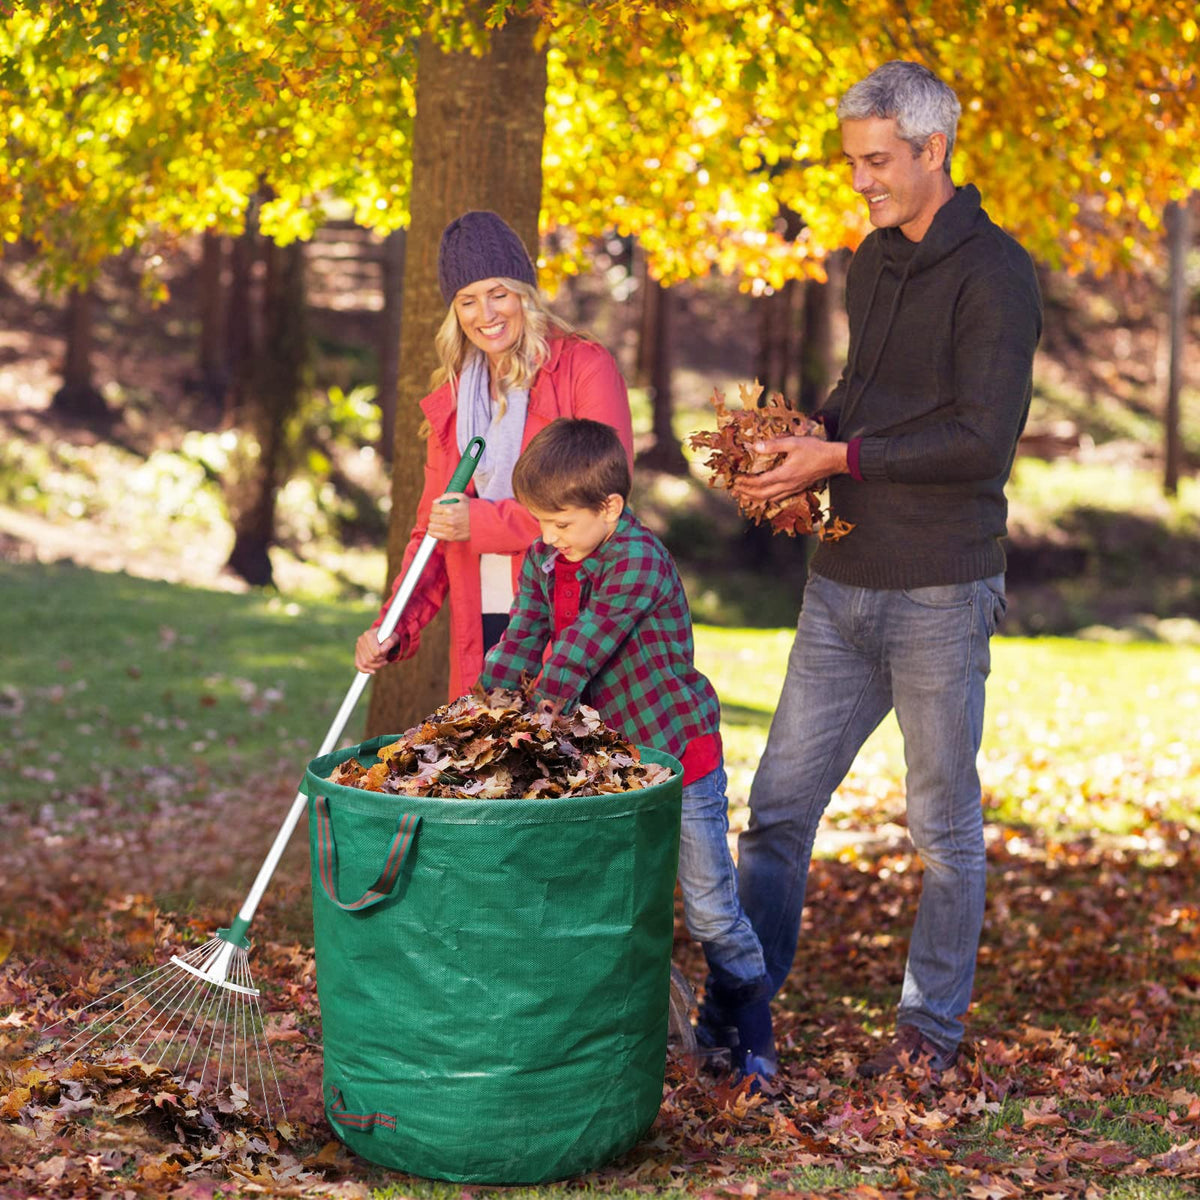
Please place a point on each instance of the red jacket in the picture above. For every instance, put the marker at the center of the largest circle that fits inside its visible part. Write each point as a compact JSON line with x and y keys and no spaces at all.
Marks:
{"x":581,"y":379}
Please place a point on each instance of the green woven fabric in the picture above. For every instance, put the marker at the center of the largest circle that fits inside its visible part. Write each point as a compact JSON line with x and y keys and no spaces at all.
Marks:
{"x":493,"y":975}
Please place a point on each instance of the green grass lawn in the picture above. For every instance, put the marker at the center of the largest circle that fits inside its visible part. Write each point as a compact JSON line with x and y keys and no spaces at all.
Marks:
{"x":125,"y":684}
{"x":1079,"y":736}
{"x":151,"y":689}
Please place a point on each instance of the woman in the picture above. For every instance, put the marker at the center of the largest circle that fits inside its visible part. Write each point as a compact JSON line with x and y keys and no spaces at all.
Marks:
{"x":508,"y":368}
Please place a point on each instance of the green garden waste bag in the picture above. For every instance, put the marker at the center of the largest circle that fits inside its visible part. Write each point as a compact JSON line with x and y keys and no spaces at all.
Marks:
{"x":494,"y":975}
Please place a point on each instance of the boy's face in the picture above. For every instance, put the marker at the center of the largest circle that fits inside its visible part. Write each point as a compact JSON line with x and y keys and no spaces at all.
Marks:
{"x":576,"y":532}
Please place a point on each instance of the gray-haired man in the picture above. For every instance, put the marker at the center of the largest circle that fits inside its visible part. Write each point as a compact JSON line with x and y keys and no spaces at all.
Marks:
{"x":944,"y":316}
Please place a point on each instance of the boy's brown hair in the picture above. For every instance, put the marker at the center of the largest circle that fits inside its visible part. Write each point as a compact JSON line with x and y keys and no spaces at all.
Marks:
{"x":572,"y":463}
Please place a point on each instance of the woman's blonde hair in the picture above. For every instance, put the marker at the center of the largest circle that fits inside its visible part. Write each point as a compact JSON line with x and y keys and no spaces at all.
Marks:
{"x":520,"y":364}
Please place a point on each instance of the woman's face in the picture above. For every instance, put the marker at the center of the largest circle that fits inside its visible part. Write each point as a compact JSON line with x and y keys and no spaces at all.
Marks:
{"x":491,"y":316}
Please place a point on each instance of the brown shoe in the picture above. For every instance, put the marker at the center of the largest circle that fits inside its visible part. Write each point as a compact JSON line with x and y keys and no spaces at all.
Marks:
{"x":909,"y":1050}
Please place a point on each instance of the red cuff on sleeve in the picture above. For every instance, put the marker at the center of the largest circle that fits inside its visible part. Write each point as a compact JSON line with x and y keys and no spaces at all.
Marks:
{"x":853,"y":449}
{"x":701,"y":756}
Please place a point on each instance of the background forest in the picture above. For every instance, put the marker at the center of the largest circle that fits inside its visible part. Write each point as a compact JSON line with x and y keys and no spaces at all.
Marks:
{"x":149,"y":484}
{"x":704,"y":134}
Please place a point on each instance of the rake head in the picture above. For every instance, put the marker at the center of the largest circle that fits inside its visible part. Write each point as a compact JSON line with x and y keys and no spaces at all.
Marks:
{"x":199,"y":1017}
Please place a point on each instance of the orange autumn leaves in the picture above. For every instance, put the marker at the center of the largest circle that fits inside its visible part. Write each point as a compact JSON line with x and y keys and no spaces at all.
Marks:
{"x":732,"y":453}
{"x":496,"y":745}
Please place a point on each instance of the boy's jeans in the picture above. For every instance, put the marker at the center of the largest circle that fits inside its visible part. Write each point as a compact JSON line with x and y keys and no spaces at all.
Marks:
{"x":709,"y":884}
{"x":858,"y":653}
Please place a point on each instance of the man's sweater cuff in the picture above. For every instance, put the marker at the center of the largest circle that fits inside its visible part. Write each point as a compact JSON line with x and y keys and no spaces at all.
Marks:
{"x":853,"y":452}
{"x":869,"y":461}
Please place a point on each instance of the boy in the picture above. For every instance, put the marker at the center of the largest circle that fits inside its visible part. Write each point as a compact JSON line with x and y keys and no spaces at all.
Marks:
{"x":600,"y":617}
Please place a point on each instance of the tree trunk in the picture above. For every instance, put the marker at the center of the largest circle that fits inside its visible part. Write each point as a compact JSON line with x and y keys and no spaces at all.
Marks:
{"x":664,"y":454}
{"x":775,"y":313}
{"x":277,"y":380}
{"x":647,"y":333}
{"x":78,"y":398}
{"x":392,"y":263}
{"x":1179,"y":239}
{"x":816,"y":345}
{"x":213,"y":366}
{"x":477,"y":143}
{"x":241,"y":332}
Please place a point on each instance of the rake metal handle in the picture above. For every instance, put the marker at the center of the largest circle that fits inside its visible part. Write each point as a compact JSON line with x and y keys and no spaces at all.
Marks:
{"x":237,"y":928}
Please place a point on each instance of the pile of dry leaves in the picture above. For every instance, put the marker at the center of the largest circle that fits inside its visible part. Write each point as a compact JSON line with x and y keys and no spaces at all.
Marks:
{"x":493,"y":745}
{"x":196,"y":1132}
{"x":733,"y":454}
{"x":86,"y":1120}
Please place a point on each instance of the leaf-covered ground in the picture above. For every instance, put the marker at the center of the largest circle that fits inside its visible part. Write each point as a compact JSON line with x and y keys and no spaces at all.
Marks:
{"x":1081,"y":1077}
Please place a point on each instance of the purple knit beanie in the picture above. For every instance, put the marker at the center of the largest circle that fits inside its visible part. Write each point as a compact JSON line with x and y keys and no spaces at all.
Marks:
{"x":481,"y":245}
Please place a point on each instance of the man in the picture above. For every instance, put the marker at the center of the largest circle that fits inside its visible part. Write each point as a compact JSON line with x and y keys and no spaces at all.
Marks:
{"x":944,"y":316}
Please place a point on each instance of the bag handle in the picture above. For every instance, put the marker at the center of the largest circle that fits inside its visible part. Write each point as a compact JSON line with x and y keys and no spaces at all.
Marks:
{"x":364,"y":1122}
{"x":406,"y":829}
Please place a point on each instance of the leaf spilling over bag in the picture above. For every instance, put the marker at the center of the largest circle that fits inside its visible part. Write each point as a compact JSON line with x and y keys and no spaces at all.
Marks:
{"x":493,"y":745}
{"x":733,"y":454}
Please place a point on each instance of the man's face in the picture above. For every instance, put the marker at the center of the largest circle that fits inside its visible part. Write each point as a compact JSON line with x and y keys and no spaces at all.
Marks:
{"x":902,"y":190}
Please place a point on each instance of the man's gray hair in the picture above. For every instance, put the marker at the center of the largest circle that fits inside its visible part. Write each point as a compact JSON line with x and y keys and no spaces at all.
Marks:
{"x":913,"y":95}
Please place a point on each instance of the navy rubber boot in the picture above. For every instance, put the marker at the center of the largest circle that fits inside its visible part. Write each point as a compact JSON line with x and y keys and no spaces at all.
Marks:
{"x":736,"y":1017}
{"x":755,"y":1057}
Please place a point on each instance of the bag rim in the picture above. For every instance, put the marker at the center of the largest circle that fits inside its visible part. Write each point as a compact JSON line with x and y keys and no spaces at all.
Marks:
{"x":467,"y":811}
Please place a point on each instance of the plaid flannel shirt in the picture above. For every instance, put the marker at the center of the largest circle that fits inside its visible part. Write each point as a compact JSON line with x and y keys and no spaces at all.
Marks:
{"x":629,"y":652}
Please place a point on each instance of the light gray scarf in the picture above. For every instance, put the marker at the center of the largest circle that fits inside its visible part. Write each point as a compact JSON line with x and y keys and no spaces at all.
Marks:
{"x":477,"y":417}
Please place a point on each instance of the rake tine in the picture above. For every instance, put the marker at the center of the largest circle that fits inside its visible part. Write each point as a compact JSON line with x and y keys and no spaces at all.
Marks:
{"x":118,"y":991}
{"x":197,"y":1016}
{"x":129,"y":1004}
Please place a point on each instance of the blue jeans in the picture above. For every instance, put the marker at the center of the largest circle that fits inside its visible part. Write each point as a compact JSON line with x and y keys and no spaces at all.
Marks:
{"x":709,"y":883}
{"x":858,"y":653}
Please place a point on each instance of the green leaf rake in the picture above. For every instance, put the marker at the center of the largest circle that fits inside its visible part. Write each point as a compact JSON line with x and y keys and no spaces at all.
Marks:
{"x":199,"y":1015}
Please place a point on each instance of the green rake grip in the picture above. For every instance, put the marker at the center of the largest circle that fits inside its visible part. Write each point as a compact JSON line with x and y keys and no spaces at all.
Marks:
{"x":466,"y":466}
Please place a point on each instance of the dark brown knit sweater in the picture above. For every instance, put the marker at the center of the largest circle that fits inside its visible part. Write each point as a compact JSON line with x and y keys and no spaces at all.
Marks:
{"x":937,"y":387}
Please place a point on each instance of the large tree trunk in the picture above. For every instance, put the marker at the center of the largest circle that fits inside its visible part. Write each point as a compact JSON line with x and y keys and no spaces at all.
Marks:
{"x":477,"y":143}
{"x":392,"y":263}
{"x":78,"y":397}
{"x":1179,"y":240}
{"x":277,"y":379}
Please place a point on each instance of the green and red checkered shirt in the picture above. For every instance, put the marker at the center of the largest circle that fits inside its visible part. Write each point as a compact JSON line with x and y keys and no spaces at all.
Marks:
{"x":628,"y":651}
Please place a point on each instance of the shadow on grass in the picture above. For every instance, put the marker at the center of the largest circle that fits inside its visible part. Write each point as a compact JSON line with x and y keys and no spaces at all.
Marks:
{"x":739,"y":714}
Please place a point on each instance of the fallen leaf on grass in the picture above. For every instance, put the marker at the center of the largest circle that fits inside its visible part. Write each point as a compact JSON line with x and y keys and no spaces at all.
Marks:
{"x":1181,"y":1161}
{"x":1044,"y":1113}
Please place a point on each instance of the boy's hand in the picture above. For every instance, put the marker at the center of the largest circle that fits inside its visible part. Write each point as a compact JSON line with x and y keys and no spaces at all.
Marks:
{"x":370,"y":653}
{"x":450,"y":518}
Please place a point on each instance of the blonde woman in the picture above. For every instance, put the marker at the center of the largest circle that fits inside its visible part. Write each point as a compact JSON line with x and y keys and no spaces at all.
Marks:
{"x":508,"y":368}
